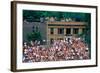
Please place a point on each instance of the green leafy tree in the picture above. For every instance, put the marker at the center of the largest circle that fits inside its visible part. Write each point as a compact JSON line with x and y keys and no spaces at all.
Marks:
{"x":34,"y":35}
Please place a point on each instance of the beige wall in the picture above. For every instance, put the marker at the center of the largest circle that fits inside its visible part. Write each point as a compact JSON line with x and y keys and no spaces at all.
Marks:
{"x":55,"y":36}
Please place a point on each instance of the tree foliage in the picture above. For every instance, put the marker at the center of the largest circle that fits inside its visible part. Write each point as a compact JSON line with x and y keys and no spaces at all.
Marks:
{"x":31,"y":16}
{"x":34,"y":35}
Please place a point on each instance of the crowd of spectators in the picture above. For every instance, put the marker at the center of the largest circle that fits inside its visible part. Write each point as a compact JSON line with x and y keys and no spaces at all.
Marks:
{"x":59,"y":50}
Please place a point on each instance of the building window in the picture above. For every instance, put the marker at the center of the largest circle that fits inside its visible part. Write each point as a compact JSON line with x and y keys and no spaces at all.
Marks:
{"x":68,"y":31}
{"x":60,"y":30}
{"x":51,"y":30}
{"x":75,"y":30}
{"x":51,"y":40}
{"x":83,"y":30}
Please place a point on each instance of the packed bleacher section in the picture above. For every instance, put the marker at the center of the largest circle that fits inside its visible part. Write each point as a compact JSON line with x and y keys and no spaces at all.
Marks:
{"x":59,"y":50}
